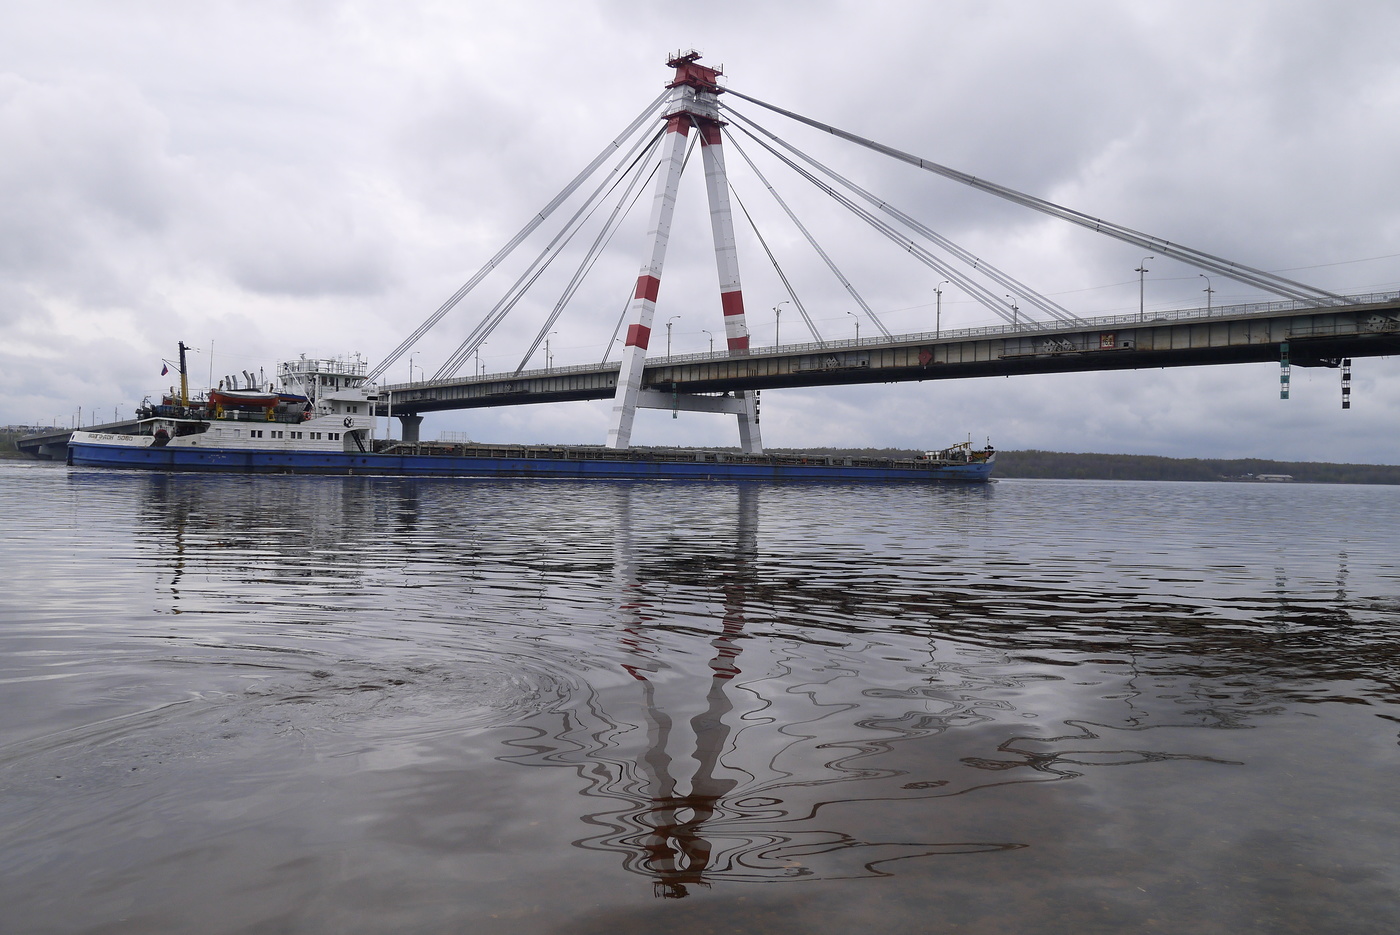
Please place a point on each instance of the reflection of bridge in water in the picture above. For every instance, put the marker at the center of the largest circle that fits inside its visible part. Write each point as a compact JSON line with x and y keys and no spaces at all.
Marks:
{"x":749,"y":755}
{"x":747,"y":702}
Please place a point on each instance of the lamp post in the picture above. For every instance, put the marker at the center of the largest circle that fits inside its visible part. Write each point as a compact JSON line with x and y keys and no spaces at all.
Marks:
{"x":410,"y":365}
{"x":668,"y":335}
{"x":478,"y":357}
{"x":778,"y":320}
{"x":548,"y":357}
{"x":1015,"y":312}
{"x":938,"y":314}
{"x":857,"y":318}
{"x":1141,"y":270}
{"x":712,"y":339}
{"x":1209,"y":290}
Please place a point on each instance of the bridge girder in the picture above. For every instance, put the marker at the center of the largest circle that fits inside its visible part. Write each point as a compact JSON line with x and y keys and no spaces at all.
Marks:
{"x":1316,"y":337}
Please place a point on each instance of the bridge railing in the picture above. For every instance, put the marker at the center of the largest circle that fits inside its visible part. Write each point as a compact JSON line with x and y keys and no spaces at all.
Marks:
{"x":945,"y":334}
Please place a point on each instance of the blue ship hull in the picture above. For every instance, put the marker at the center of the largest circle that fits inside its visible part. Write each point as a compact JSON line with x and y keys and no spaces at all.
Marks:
{"x":571,"y":464}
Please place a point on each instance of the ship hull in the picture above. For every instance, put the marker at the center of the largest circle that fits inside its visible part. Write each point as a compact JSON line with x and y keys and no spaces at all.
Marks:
{"x":569,"y":464}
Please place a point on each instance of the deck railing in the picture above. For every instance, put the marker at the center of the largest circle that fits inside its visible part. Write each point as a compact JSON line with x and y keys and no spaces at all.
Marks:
{"x":954,"y":334}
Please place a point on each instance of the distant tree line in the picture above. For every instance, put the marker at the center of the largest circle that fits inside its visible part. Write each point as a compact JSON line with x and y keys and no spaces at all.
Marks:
{"x":1149,"y":467}
{"x":7,"y":443}
{"x":1065,"y":466}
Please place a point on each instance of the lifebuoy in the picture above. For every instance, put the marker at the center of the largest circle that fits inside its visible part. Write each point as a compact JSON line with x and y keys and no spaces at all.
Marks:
{"x":349,"y":422}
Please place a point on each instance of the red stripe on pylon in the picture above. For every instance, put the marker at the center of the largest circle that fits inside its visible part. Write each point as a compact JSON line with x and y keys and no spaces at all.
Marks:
{"x":678,"y":123}
{"x":648,"y":287}
{"x":739,"y":344}
{"x":732,"y":302}
{"x":639,"y":336}
{"x":709,"y":134}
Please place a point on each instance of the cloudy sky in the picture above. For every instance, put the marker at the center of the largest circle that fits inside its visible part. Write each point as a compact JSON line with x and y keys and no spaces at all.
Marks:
{"x":266,"y":179}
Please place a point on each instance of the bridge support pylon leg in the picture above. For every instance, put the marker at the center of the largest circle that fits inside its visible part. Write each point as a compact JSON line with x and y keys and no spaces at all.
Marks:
{"x":693,"y":102}
{"x":643,"y":308}
{"x":731,"y":293}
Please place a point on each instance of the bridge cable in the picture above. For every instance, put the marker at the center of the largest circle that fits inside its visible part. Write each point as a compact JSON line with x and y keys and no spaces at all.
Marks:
{"x":787,"y":284}
{"x":515,"y":241}
{"x":498,"y":313}
{"x":626,"y":202}
{"x":621,"y":319}
{"x":831,"y":264}
{"x":1189,"y":255}
{"x":974,"y":289}
{"x":1002,"y":278}
{"x":631,"y":289}
{"x":543,"y":260}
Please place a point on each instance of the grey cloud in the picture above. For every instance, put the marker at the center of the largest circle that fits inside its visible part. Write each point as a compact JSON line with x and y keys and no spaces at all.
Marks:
{"x":327,"y":174}
{"x":85,"y":179}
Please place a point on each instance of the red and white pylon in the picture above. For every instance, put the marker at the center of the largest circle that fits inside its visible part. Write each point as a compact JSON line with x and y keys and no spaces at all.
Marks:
{"x":693,"y":103}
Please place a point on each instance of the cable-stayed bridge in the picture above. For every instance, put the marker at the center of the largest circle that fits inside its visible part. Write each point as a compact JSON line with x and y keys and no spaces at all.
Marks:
{"x":1305,"y":326}
{"x":1300,"y":325}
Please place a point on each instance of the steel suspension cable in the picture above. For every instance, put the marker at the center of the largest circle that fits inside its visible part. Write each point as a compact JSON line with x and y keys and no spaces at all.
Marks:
{"x":625,"y":203}
{"x":831,"y":264}
{"x":976,"y":290}
{"x":1198,"y":258}
{"x":1002,"y":278}
{"x":787,"y":284}
{"x":627,"y":304}
{"x":498,"y":313}
{"x":515,"y":241}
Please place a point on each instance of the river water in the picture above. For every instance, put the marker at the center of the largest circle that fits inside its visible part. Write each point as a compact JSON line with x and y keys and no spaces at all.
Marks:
{"x":317,"y":704}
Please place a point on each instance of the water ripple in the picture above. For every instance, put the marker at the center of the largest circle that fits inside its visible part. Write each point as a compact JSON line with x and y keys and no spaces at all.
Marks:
{"x":355,"y":704}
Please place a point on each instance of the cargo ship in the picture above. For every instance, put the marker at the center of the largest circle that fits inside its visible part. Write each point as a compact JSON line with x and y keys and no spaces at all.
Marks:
{"x":319,"y":418}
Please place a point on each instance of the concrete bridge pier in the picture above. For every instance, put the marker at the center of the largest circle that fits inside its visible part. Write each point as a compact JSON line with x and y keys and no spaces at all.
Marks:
{"x":410,"y":425}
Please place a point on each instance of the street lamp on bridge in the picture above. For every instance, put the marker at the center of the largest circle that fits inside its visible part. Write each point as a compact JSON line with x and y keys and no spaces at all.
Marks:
{"x":712,"y":338}
{"x":1015,"y":312}
{"x":1141,"y":270}
{"x":778,"y":320}
{"x":548,"y":357}
{"x":477,"y":352}
{"x":1208,"y":290}
{"x":938,"y":313}
{"x":668,"y":335}
{"x":857,"y":318}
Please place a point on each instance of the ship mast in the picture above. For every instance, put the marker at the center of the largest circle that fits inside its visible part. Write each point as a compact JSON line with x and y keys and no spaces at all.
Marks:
{"x":184,"y":378}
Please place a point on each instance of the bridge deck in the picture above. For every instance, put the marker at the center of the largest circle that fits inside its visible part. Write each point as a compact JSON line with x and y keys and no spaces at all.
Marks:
{"x":1190,"y":337}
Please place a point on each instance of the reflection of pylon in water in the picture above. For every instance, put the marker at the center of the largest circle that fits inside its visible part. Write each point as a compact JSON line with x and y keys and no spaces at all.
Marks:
{"x":675,"y":849}
{"x":693,"y":103}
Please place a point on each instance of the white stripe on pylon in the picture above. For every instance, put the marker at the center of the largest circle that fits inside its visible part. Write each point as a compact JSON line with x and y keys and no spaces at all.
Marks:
{"x":731,"y":294}
{"x":643,"y":309}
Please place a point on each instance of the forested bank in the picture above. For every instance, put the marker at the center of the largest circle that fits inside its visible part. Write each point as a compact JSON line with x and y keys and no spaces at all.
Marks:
{"x":1057,"y":464}
{"x":1067,"y":466}
{"x":7,"y":443}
